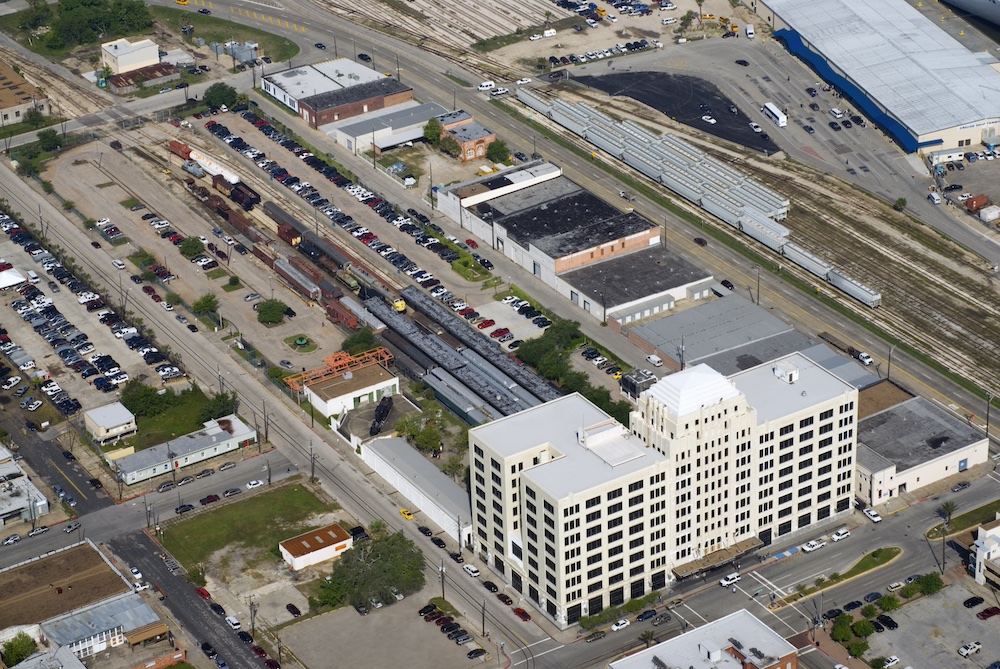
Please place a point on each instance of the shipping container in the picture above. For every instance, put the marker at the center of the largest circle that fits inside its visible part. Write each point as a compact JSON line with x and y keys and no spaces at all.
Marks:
{"x":221,"y":184}
{"x":976,"y":202}
{"x":989,"y":214}
{"x":296,"y":279}
{"x":287,"y":233}
{"x":266,"y":254}
{"x":179,"y":149}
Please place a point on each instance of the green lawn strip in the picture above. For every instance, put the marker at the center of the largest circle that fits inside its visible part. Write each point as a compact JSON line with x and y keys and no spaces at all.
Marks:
{"x":129,"y":203}
{"x":213,"y":29}
{"x":873,"y":560}
{"x":174,"y":422}
{"x":458,"y":80}
{"x":469,"y":269}
{"x":228,"y":288}
{"x":983,"y":514}
{"x":217,"y":273}
{"x":257,"y":522}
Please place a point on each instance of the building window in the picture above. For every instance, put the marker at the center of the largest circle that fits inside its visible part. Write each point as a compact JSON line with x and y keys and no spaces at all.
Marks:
{"x":536,"y":269}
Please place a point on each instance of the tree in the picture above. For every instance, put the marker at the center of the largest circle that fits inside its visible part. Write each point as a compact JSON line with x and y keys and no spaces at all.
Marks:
{"x":221,"y":405}
{"x":106,"y":72}
{"x":205,"y":304}
{"x":359,"y":342}
{"x":271,"y":312}
{"x":144,"y":401}
{"x":34,"y":117}
{"x":687,"y":19}
{"x":863,"y":628}
{"x":454,"y":466}
{"x":49,"y":139}
{"x":947,"y":509}
{"x":700,"y":3}
{"x":18,"y":648}
{"x":878,"y":662}
{"x":841,"y":632}
{"x":858,"y":648}
{"x":869,"y":610}
{"x":220,"y":94}
{"x":408,"y":426}
{"x":432,"y":132}
{"x":190,"y":247}
{"x":647,"y":638}
{"x":930,"y":583}
{"x":378,"y":529}
{"x":889,"y":603}
{"x":370,"y":568}
{"x":234,"y":281}
{"x":172,"y":298}
{"x":450,"y":146}
{"x":429,"y":439}
{"x":497,"y":152}
{"x":899,"y":204}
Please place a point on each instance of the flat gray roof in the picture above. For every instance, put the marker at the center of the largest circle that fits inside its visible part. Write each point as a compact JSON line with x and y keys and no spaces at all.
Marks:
{"x":110,"y":415}
{"x":331,"y":75}
{"x":741,"y":631}
{"x":635,"y":276}
{"x":560,"y":218}
{"x":427,"y":478}
{"x":757,"y":352}
{"x":468,"y":132}
{"x":774,"y":398}
{"x":369,"y":90}
{"x":712,"y":327}
{"x":396,"y":118}
{"x":609,"y":453}
{"x":914,"y":432}
{"x":212,"y":433}
{"x":921,"y":74}
{"x":127,"y":610}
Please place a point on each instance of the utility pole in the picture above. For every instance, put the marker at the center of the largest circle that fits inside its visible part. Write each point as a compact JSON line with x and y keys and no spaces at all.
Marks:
{"x":441,"y":570}
{"x":312,"y":462}
{"x":252,"y":603}
{"x":484,"y":617}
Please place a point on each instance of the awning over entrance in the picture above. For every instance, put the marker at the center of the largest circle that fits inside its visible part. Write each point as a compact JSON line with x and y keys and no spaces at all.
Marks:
{"x":718,"y":558}
{"x":146,"y":633}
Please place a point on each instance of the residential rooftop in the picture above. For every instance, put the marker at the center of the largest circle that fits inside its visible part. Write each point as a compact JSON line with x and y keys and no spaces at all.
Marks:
{"x":586,"y":447}
{"x":635,"y":276}
{"x":914,"y":432}
{"x":560,"y":217}
{"x":773,"y":397}
{"x":110,"y":415}
{"x":215,"y":432}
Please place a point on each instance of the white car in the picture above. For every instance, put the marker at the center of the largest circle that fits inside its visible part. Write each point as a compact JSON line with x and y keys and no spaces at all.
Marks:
{"x":136,"y":574}
{"x":525,"y":80}
{"x":140,"y":586}
{"x":535,"y":37}
{"x":256,"y":483}
{"x":873,"y":515}
{"x":814,"y":545}
{"x":840,"y":534}
{"x":891,"y":661}
{"x":708,"y":119}
{"x":756,"y":128}
{"x":11,"y":382}
{"x":229,"y":240}
{"x":620,"y":625}
{"x":970,"y":648}
{"x":668,"y":22}
{"x":732,"y":579}
{"x":667,"y":5}
{"x":201,"y":238}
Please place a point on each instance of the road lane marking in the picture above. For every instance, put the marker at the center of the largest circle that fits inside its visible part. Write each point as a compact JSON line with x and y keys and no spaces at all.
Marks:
{"x":703,"y":618}
{"x":66,"y":476}
{"x":535,"y":656}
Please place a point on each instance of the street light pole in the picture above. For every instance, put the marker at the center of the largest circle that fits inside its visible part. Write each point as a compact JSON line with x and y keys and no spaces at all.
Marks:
{"x":888,"y":370}
{"x":989,"y":403}
{"x":757,"y":267}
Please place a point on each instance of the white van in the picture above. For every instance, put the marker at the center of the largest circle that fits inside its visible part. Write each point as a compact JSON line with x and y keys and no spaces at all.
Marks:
{"x":836,"y":113}
{"x":654,"y":360}
{"x":233,"y":622}
{"x":32,"y":277}
{"x":934,"y":198}
{"x":471,"y":570}
{"x":732,"y":579}
{"x":487,"y":86}
{"x":551,"y":32}
{"x":750,"y":32}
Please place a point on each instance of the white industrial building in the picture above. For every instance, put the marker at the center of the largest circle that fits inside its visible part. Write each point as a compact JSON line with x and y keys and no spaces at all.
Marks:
{"x":218,"y":437}
{"x":123,"y":56}
{"x":918,"y":83}
{"x":314,"y":547}
{"x":20,"y":500}
{"x":109,"y":423}
{"x":911,"y":445}
{"x":739,"y":640}
{"x":291,"y":85}
{"x":334,"y":396}
{"x":428,"y":491}
{"x":384,"y":129}
{"x":579,"y":514}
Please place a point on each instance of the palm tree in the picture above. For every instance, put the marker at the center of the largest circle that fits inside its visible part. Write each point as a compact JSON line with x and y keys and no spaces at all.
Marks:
{"x":647,"y":638}
{"x":700,"y":3}
{"x":947,"y":509}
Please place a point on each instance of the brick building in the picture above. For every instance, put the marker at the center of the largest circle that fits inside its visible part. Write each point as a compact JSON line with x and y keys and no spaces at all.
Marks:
{"x":345,"y":103}
{"x":473,"y":137}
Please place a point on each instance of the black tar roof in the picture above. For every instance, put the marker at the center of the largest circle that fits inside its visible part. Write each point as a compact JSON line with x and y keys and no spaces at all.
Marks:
{"x":345,"y":96}
{"x":560,"y":218}
{"x":634,"y":276}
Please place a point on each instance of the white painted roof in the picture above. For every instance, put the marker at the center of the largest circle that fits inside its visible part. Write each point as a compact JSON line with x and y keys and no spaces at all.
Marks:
{"x":923,"y":76}
{"x":691,"y":389}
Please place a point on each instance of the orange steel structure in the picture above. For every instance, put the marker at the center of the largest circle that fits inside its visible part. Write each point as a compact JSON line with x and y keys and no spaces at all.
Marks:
{"x":336,"y":364}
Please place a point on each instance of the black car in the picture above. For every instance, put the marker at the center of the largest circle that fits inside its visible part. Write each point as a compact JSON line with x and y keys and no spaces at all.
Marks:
{"x":879,"y":627}
{"x":69,"y":456}
{"x":218,"y":610}
{"x":889,"y":623}
{"x":204,"y":11}
{"x":851,"y":606}
{"x":833,"y":614}
{"x":521,"y":157}
{"x":365,"y":57}
{"x":972,"y":602}
{"x":809,"y":129}
{"x":320,"y":46}
{"x":835,"y":126}
{"x":184,"y":508}
{"x":952,"y":188}
{"x":476,"y":653}
{"x":426,"y":531}
{"x":727,"y":284}
{"x":599,"y":634}
{"x":457,"y":557}
{"x":245,"y":637}
{"x":208,"y":650}
{"x":430,"y":608}
{"x":847,"y":124}
{"x":438,"y":541}
{"x":873,"y":597}
{"x":743,"y":63}
{"x":491,"y":586}
{"x":813,"y":106}
{"x":645,"y":615}
{"x":812,"y":92}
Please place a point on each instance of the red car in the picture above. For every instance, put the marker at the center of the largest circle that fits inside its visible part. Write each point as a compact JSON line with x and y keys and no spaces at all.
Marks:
{"x":444,"y":620}
{"x":488,"y":323}
{"x":203,"y":593}
{"x":149,"y":290}
{"x":522,"y":614}
{"x":986,"y":614}
{"x":210,"y":124}
{"x":466,"y":311}
{"x":471,"y":243}
{"x":499,"y":332}
{"x":505,"y":599}
{"x":156,"y":298}
{"x":258,"y":651}
{"x":433,"y":615}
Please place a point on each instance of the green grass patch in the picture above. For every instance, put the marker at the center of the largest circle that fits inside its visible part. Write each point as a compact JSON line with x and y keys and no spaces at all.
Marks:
{"x":458,"y":80}
{"x":230,"y":288}
{"x":983,"y":514}
{"x":469,"y":269}
{"x":444,"y":605}
{"x":174,"y":422}
{"x":258,"y":522}
{"x":14,"y":129}
{"x":405,"y":9}
{"x":877,"y":558}
{"x":217,"y":273}
{"x":308,"y":348}
{"x":129,"y":203}
{"x":213,"y":29}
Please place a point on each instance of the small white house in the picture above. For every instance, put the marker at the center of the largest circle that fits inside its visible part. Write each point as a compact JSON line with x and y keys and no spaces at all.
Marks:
{"x":350,"y":390}
{"x":314,"y":547}
{"x":124,"y":56}
{"x":109,"y":423}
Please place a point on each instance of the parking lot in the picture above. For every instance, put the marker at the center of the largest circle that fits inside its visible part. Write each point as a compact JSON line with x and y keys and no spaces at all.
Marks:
{"x":975,"y":178}
{"x":931,"y":630}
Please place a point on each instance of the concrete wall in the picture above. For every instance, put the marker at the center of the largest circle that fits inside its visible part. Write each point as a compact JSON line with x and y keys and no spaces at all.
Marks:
{"x":618,"y":247}
{"x":336,"y":406}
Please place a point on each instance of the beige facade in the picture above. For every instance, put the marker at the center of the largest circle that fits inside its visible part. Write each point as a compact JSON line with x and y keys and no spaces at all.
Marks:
{"x":17,"y":96}
{"x":123,"y":56}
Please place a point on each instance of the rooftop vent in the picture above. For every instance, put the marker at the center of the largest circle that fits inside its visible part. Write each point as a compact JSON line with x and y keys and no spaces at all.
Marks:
{"x":786,"y":372}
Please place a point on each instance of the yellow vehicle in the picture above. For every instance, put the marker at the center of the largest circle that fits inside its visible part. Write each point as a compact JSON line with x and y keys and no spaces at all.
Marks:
{"x":601,"y":11}
{"x":406,"y":513}
{"x":183,"y":2}
{"x":399,"y":305}
{"x":708,"y":17}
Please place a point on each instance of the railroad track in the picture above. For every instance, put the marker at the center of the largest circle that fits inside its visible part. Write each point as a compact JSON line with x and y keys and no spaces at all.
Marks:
{"x":73,"y":99}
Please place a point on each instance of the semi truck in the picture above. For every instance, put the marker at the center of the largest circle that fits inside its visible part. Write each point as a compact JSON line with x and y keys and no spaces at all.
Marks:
{"x":855,"y":353}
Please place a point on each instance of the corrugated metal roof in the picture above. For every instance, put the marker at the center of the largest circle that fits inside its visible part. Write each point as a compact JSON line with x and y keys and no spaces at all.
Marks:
{"x":127,"y":611}
{"x":921,"y":74}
